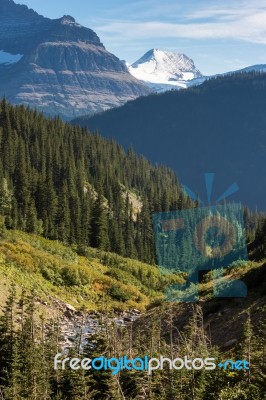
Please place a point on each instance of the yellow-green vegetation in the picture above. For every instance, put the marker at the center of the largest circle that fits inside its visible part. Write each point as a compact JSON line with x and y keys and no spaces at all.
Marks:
{"x":93,"y":280}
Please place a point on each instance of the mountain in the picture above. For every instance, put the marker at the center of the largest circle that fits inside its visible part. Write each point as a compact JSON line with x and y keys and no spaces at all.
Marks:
{"x":218,"y":127}
{"x":252,"y":68}
{"x":62,"y":296}
{"x":164,"y":70}
{"x":59,"y":66}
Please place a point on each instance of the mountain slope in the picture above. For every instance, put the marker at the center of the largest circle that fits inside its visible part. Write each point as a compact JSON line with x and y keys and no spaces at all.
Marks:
{"x":65,"y":69}
{"x":163,"y":70}
{"x":216,"y":127}
{"x":69,"y":185}
{"x":251,"y":68}
{"x":57,"y":270}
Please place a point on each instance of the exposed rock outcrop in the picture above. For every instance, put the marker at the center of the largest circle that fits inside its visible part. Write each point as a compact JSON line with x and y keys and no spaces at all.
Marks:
{"x":64,"y":68}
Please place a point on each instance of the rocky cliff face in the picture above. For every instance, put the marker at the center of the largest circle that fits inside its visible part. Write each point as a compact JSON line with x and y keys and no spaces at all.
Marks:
{"x":63,"y":68}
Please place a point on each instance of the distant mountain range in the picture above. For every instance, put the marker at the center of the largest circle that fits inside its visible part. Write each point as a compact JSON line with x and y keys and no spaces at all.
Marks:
{"x":252,"y":68}
{"x":219,"y":127}
{"x":62,"y":68}
{"x":59,"y":66}
{"x":164,"y":70}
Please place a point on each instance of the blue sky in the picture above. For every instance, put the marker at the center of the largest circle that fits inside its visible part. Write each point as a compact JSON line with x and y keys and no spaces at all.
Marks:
{"x":219,"y":35}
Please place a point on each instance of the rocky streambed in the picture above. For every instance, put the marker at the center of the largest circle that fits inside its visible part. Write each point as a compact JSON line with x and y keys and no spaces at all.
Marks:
{"x":77,"y":327}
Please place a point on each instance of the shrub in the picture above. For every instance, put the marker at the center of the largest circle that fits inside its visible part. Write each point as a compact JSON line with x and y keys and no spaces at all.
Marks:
{"x":2,"y":225}
{"x":117,"y":293}
{"x":233,"y":393}
{"x":51,"y":275}
{"x":70,"y":276}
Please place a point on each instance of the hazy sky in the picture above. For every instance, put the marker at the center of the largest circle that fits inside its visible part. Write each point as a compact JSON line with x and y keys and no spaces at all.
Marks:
{"x":219,"y":35}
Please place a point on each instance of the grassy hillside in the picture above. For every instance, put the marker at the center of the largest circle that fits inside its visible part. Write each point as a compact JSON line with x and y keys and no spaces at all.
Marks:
{"x":86,"y":282}
{"x":96,"y":277}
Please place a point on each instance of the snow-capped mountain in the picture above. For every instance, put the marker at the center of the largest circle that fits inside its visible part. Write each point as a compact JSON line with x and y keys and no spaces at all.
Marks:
{"x":164,"y":70}
{"x":59,"y":66}
{"x":252,"y":68}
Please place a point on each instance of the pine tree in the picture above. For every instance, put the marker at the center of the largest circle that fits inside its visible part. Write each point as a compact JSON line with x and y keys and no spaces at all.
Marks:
{"x":99,"y":237}
{"x":7,"y":340}
{"x":5,"y":198}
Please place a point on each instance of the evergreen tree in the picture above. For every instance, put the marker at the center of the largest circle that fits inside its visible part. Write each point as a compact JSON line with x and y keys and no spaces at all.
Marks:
{"x":99,"y":237}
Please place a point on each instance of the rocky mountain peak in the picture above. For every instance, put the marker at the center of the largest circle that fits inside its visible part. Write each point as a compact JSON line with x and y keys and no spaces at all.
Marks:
{"x":166,"y":65}
{"x":67,"y":19}
{"x":164,"y":68}
{"x":20,"y":10}
{"x":59,"y":66}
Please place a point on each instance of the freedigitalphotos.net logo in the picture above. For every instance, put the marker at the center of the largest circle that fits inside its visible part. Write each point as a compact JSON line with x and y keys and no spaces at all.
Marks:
{"x":146,"y":363}
{"x":198,"y":239}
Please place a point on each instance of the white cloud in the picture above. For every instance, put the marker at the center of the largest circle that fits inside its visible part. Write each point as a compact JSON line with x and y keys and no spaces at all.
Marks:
{"x":238,"y":20}
{"x":233,"y":8}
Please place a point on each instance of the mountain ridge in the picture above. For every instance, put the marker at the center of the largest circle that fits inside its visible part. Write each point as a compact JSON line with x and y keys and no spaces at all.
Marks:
{"x":218,"y":127}
{"x":64,"y":68}
{"x":154,"y":69}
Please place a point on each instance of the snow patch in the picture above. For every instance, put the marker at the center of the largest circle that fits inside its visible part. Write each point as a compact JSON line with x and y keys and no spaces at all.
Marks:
{"x":7,"y":58}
